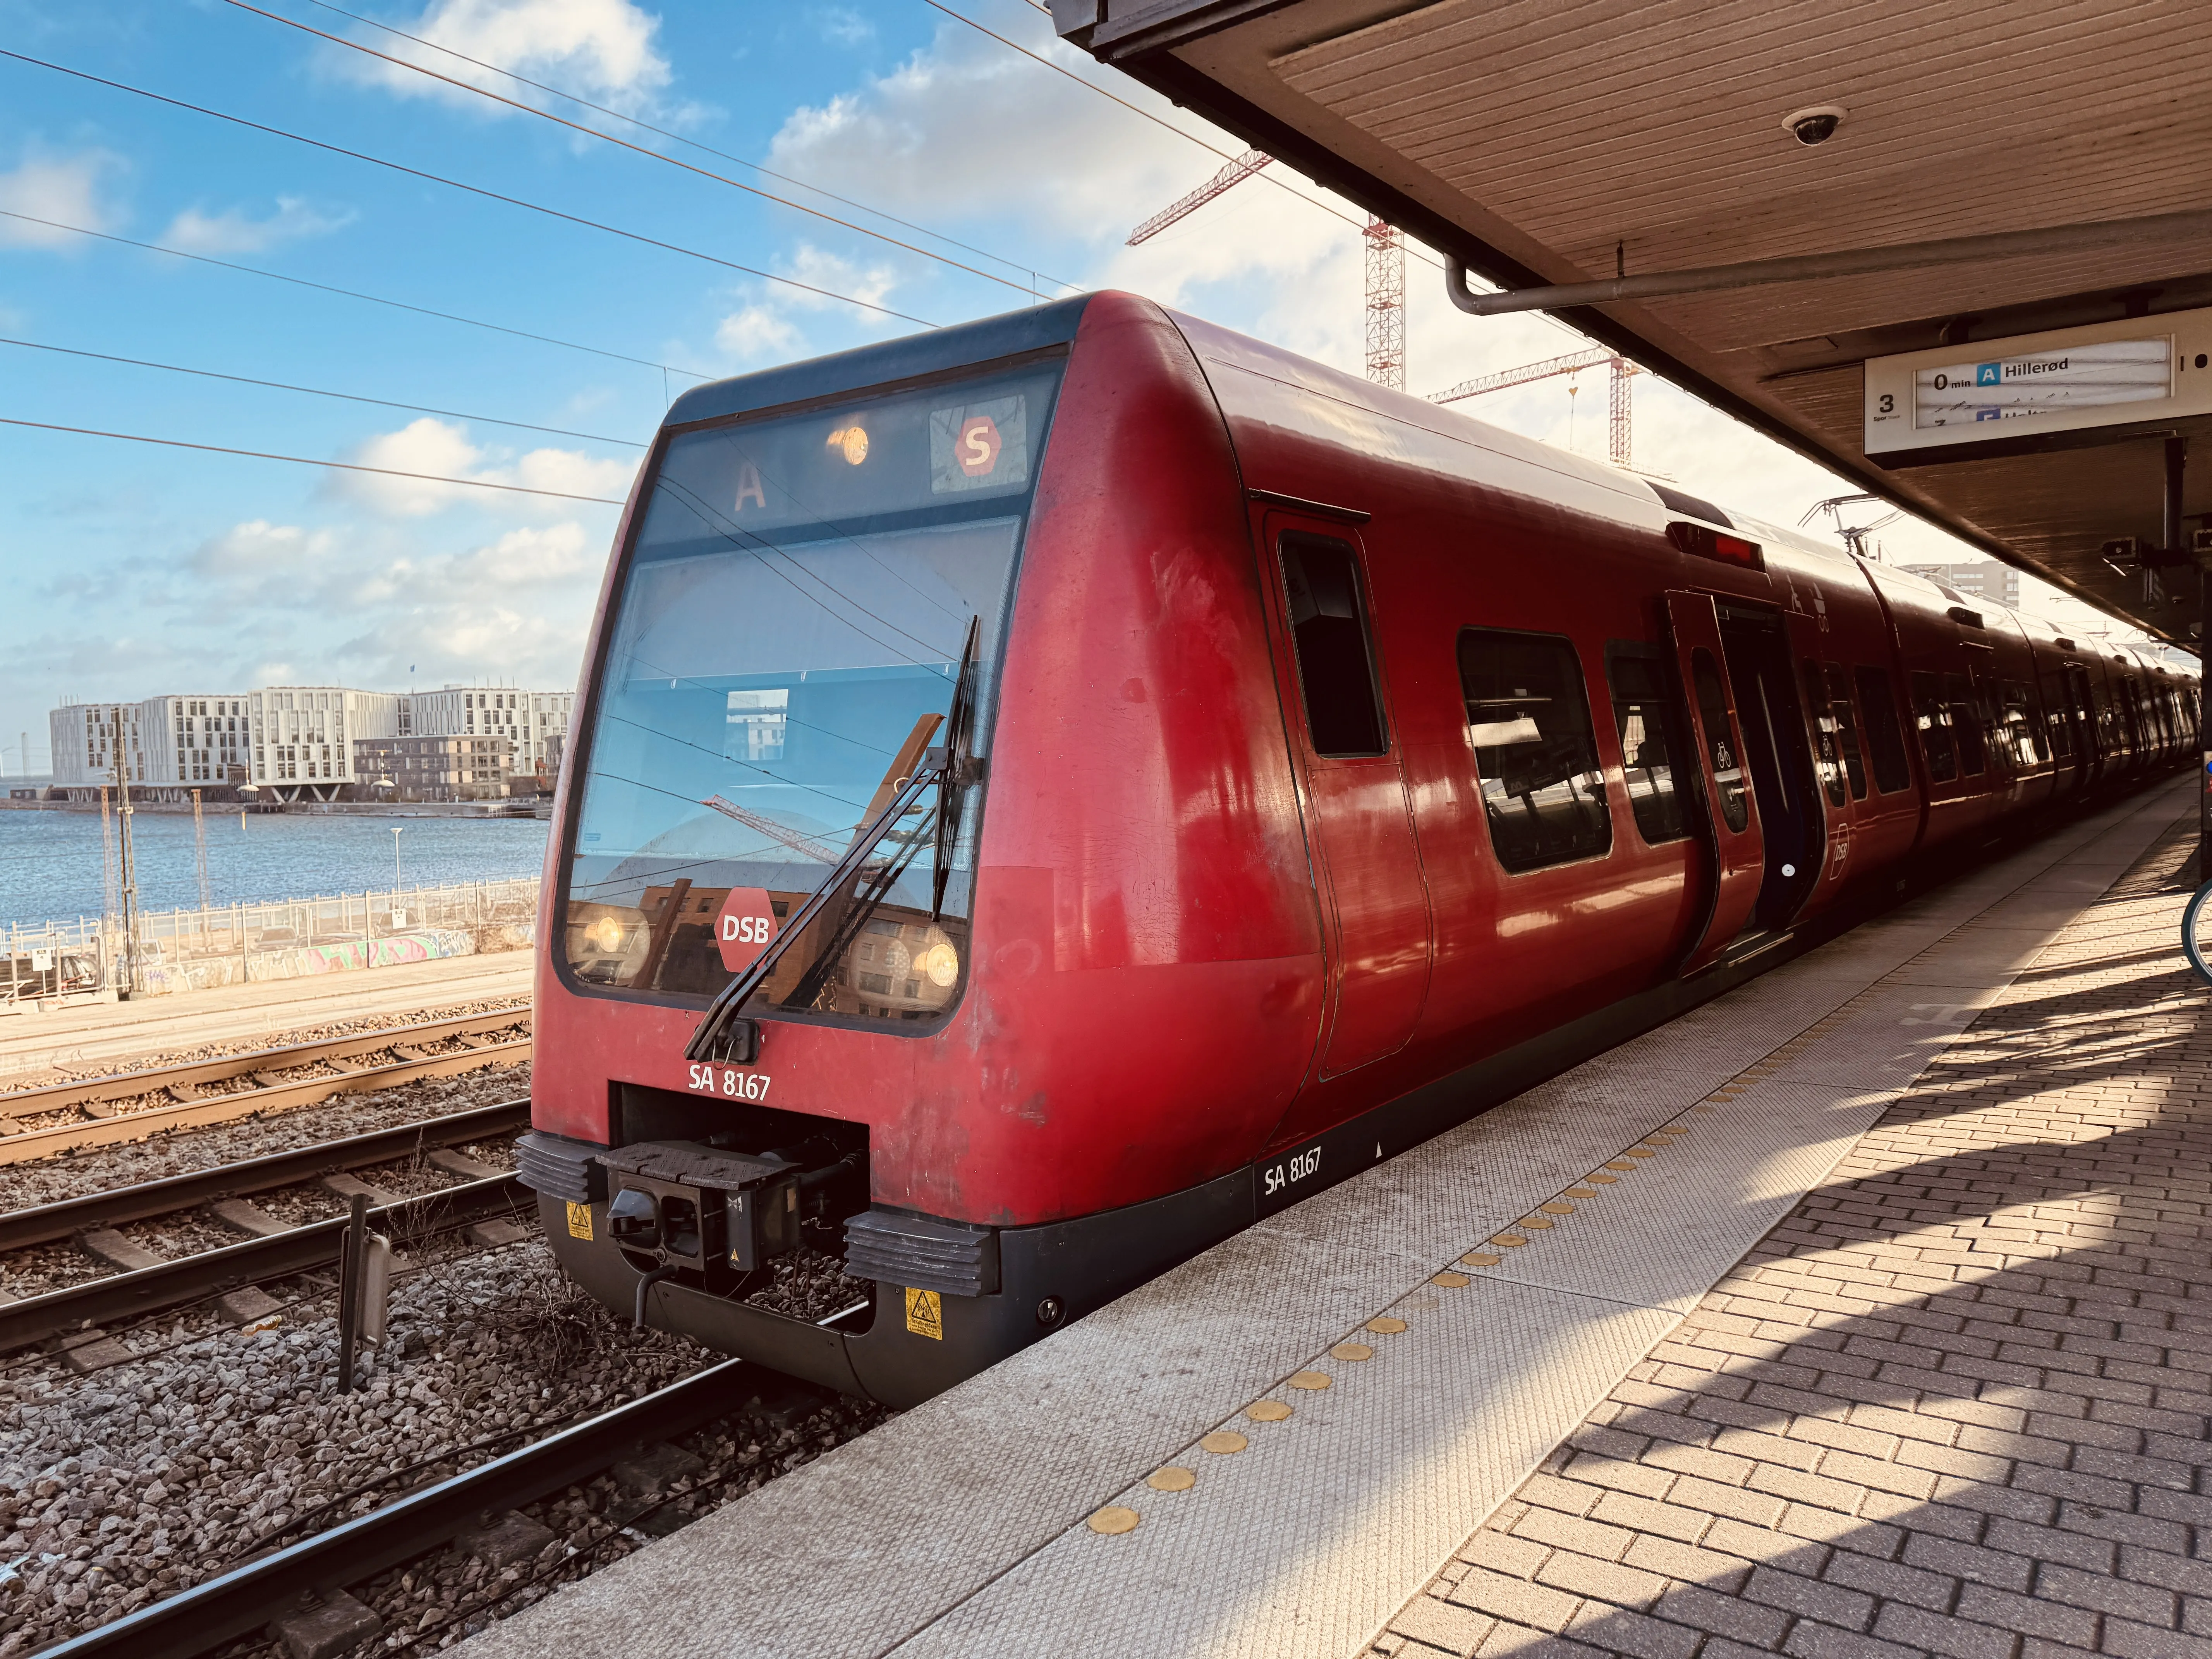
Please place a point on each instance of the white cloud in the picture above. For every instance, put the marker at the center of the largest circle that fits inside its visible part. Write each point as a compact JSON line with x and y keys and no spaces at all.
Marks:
{"x":843,"y":26}
{"x":437,"y":450}
{"x":603,"y":50}
{"x":236,"y":231}
{"x":69,"y":190}
{"x":756,"y":331}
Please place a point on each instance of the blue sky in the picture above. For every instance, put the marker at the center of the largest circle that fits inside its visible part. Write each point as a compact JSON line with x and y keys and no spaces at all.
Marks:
{"x":132,"y":570}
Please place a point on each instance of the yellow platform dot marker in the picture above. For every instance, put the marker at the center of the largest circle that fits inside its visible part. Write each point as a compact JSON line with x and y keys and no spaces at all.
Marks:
{"x":1481,"y":1259}
{"x":1114,"y":1520}
{"x":1172,"y":1479}
{"x":1384,"y":1325}
{"x":1267,"y":1410}
{"x":1602,"y":1180}
{"x":1352,"y":1351}
{"x":1639,"y":1152}
{"x":1450,"y":1282}
{"x":1222,"y":1442}
{"x":1616,"y":1165}
{"x":1310,"y":1380}
{"x":1533,"y":1224}
{"x":1557,"y":1206}
{"x":1582,"y":1192}
{"x":1511,"y":1241}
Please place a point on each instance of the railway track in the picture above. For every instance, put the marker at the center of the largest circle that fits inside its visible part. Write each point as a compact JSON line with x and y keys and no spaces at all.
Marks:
{"x":482,"y":1196}
{"x":100,"y":1111}
{"x":245,"y":1599}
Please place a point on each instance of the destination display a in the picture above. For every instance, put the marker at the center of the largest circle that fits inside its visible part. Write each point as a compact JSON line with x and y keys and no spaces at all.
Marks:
{"x":2139,"y":369}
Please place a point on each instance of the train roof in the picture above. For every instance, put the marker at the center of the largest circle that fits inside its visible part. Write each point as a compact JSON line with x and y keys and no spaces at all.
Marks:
{"x":1629,"y":494}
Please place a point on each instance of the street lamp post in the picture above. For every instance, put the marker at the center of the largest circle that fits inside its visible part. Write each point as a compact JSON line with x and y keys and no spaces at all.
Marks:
{"x":395,"y":860}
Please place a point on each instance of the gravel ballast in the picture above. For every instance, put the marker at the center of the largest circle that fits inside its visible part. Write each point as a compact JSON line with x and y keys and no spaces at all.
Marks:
{"x":178,"y":1151}
{"x":154,"y":1473}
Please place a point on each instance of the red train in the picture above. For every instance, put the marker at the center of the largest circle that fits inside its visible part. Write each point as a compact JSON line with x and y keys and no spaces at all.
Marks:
{"x":1137,"y":777}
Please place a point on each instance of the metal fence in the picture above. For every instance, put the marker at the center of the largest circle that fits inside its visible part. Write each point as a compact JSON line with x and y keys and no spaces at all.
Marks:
{"x":285,"y":938}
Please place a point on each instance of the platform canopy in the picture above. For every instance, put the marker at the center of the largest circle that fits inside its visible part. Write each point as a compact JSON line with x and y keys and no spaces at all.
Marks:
{"x":1569,"y":141}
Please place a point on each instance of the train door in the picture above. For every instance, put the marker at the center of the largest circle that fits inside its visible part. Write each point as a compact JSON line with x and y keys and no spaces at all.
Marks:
{"x":2090,"y":742}
{"x":1359,"y":820}
{"x":1792,"y":822}
{"x":1737,"y":865}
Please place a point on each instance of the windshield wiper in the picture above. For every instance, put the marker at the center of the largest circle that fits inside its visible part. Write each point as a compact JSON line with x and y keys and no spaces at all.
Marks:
{"x":950,"y":769}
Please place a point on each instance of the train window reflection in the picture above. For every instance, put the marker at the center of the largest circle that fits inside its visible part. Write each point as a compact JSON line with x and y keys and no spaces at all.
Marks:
{"x":1723,"y":747}
{"x":1931,"y":718}
{"x":1528,"y":714}
{"x":1644,"y":712}
{"x":1885,"y":737}
{"x":1847,"y":731}
{"x":1336,"y":659}
{"x":1962,"y":696}
{"x":1827,"y":748}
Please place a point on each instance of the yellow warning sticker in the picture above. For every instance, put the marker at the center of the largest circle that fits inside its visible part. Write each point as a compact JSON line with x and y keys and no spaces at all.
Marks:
{"x":924,"y":1314}
{"x":580,"y":1221}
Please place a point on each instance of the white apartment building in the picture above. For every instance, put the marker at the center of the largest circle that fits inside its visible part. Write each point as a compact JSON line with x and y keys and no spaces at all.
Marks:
{"x":292,"y":741}
{"x":84,"y":738}
{"x":535,"y":722}
{"x":196,"y":740}
{"x":303,"y":736}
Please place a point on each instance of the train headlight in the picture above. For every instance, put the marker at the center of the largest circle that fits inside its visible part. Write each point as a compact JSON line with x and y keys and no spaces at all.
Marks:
{"x":607,"y":933}
{"x":852,"y":442}
{"x":940,"y":963}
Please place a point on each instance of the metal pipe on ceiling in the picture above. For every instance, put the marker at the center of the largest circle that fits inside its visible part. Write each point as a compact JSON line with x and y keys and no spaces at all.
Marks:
{"x":1819,"y":267}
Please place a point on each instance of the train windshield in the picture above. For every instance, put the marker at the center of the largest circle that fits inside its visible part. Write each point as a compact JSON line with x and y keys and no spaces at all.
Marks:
{"x":785,"y":648}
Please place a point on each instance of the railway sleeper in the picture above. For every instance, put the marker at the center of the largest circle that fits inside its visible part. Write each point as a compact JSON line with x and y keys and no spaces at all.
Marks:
{"x":506,"y":1540}
{"x":251,"y":1219}
{"x":335,"y":1624}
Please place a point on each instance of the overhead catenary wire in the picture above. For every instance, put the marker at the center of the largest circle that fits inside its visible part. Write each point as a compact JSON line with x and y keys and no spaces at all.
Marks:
{"x":317,"y":391}
{"x":693,"y":143}
{"x":639,"y":150}
{"x":308,"y":461}
{"x":1412,"y":250}
{"x":354,"y":293}
{"x":456,"y":184}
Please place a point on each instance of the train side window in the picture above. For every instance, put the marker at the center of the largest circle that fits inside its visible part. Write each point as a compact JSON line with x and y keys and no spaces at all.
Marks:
{"x":1931,"y":718}
{"x":1728,"y":766}
{"x":1885,"y":737}
{"x":2024,"y":740}
{"x":1336,"y":657}
{"x":1847,"y":730}
{"x":1528,"y":712}
{"x":1828,"y":751}
{"x":1966,"y":723}
{"x":1651,"y":728}
{"x":2054,"y":715}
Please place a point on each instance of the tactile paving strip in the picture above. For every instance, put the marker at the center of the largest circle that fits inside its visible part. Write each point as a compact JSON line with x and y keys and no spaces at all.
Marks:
{"x":960,"y":1528}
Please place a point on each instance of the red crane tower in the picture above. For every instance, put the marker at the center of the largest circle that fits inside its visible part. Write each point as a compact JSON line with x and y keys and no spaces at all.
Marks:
{"x":1618,"y":430}
{"x":1382,"y":245}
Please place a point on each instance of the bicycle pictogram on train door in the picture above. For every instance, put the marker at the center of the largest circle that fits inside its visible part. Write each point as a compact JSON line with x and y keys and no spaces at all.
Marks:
{"x":1359,"y":821}
{"x":1736,"y":860}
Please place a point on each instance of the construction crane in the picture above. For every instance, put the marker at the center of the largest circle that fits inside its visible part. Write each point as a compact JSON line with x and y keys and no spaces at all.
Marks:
{"x":1384,"y":248}
{"x":1619,"y":428}
{"x":769,"y":827}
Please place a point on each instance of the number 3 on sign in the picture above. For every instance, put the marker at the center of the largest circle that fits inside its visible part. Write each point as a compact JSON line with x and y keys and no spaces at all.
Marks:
{"x":729,"y":1082}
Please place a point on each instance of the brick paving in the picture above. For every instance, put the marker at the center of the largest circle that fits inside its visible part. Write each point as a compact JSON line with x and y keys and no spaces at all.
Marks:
{"x":1956,"y":1405}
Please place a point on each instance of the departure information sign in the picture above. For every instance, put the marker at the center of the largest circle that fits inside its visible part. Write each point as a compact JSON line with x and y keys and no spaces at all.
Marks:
{"x":2114,"y":373}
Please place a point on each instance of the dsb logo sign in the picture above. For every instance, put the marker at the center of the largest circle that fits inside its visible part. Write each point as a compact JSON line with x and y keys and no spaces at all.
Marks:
{"x":744,"y":927}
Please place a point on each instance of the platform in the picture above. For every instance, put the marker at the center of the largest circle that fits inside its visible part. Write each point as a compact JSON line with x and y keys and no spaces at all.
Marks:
{"x":1778,"y":1384}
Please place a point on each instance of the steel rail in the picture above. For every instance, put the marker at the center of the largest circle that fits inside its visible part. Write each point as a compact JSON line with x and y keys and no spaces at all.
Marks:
{"x":102,"y":1131}
{"x":299,"y":1249}
{"x":243,"y":1600}
{"x":126,"y":1085}
{"x":66,"y":1218}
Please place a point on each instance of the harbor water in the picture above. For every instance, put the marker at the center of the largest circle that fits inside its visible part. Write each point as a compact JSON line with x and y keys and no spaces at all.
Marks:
{"x":51,"y":867}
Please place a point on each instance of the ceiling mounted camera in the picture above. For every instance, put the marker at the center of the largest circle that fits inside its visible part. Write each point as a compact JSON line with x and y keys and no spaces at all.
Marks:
{"x":1816,"y":125}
